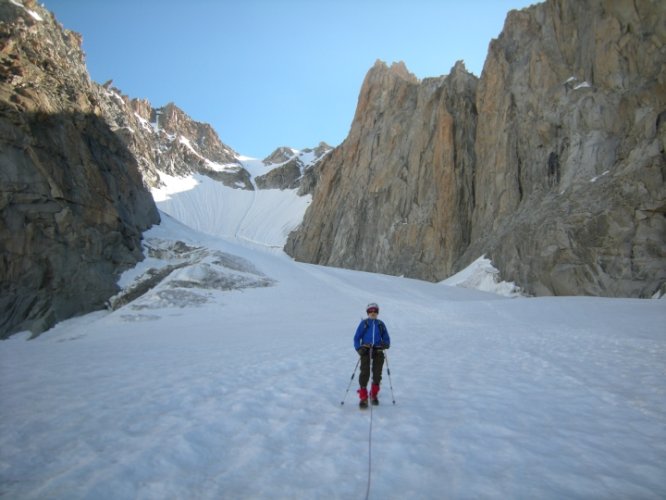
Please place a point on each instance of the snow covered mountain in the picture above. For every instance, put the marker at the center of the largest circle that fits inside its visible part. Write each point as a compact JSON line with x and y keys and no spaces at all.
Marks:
{"x":223,"y":377}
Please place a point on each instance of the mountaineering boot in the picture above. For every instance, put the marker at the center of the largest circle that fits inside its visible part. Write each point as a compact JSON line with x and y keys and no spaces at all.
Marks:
{"x":374,"y":390}
{"x":363,"y":395}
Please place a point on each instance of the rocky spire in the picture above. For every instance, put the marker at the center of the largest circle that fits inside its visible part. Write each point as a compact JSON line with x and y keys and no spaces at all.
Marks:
{"x":391,"y":198}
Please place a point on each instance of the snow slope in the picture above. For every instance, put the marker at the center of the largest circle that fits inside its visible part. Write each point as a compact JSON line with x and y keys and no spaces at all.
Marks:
{"x":225,"y":381}
{"x":265,"y":217}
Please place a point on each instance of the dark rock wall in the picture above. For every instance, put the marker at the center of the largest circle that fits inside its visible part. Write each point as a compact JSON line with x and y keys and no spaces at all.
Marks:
{"x":72,"y":201}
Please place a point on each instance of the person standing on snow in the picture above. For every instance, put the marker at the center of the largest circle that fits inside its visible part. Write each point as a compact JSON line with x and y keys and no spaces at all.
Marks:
{"x":371,"y":338}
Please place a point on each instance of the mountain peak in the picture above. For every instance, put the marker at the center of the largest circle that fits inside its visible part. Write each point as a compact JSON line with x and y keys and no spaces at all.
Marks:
{"x":398,"y":69}
{"x":280,"y":155}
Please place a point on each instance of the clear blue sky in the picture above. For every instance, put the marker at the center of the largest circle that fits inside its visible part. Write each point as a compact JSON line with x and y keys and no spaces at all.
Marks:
{"x":270,"y":73}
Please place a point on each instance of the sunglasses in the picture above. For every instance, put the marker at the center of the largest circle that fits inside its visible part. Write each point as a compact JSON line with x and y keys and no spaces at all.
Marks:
{"x":370,"y":311}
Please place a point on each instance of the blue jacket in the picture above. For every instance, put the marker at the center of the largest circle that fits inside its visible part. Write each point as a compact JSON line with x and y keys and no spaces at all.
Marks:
{"x":371,"y":332}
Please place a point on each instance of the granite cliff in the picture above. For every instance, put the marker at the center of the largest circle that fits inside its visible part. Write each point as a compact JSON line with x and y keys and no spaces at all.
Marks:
{"x":390,"y":198}
{"x":551,"y":163}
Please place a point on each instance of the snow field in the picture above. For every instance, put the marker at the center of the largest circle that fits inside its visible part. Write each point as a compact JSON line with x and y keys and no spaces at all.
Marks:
{"x":265,"y":217}
{"x":236,"y":393}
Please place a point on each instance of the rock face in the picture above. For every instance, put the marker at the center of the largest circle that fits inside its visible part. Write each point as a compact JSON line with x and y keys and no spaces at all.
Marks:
{"x":570,"y":149}
{"x":73,"y":204}
{"x":389,"y":199}
{"x":552,"y":163}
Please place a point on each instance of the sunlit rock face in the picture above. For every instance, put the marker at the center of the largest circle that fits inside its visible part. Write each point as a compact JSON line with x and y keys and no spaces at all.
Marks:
{"x":551,"y":163}
{"x":393,"y":197}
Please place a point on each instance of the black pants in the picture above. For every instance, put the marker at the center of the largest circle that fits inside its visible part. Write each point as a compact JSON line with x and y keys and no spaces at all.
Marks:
{"x":377,"y":365}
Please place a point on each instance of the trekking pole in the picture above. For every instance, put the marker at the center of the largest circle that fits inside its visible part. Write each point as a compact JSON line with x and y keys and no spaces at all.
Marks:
{"x":388,"y":370}
{"x":350,"y":381}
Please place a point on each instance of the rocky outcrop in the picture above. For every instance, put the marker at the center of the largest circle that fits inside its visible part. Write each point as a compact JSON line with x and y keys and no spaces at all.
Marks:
{"x":281,"y":155}
{"x":73,"y":204}
{"x":286,"y":176}
{"x":552,"y":163}
{"x":290,"y":168}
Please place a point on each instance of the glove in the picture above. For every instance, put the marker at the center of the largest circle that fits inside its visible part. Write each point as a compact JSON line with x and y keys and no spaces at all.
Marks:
{"x":362,"y":351}
{"x":386,"y":346}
